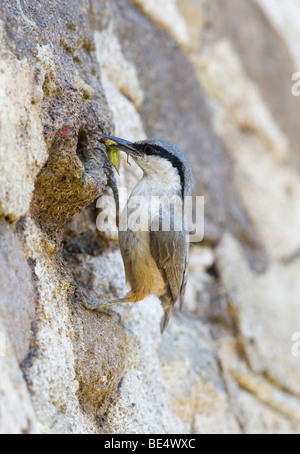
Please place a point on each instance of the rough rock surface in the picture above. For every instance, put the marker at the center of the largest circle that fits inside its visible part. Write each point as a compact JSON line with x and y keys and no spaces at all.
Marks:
{"x":216,"y":78}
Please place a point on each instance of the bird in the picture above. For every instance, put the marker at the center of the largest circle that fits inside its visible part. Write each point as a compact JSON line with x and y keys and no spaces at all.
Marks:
{"x":155,"y":258}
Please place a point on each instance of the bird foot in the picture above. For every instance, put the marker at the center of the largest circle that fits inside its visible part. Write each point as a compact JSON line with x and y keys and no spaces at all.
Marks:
{"x":94,"y":305}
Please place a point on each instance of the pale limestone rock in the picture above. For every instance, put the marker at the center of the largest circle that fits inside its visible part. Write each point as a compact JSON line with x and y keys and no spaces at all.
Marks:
{"x":201,"y":259}
{"x":29,"y":22}
{"x":52,"y":375}
{"x":266,"y":311}
{"x":218,"y":67}
{"x":120,"y":71}
{"x":263,"y":419}
{"x":142,"y":406}
{"x":166,"y":14}
{"x":260,"y":405}
{"x":16,"y":411}
{"x":86,"y":90}
{"x":285,"y":18}
{"x":17,"y":293}
{"x":21,"y":134}
{"x":269,"y":189}
{"x":195,"y":387}
{"x":193,"y":12}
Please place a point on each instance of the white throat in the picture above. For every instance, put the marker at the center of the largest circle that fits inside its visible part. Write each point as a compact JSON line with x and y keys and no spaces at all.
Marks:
{"x":160,"y":178}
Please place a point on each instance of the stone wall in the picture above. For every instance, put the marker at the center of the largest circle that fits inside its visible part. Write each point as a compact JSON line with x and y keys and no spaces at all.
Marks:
{"x":214,"y":77}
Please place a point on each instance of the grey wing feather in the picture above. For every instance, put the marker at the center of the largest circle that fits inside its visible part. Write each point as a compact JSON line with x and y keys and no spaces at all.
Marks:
{"x":170,"y":251}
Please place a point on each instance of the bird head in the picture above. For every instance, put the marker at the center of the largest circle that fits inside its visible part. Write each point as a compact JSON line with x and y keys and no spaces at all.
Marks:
{"x":158,"y":159}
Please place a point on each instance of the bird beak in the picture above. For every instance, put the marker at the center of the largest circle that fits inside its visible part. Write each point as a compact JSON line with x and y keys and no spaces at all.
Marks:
{"x":121,"y":144}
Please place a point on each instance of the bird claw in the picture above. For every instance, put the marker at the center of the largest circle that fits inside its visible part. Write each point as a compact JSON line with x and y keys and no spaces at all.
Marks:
{"x":94,"y":305}
{"x":109,"y":312}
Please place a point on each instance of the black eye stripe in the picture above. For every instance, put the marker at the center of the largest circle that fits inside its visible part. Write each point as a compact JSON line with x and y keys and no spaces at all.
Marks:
{"x":176,"y":162}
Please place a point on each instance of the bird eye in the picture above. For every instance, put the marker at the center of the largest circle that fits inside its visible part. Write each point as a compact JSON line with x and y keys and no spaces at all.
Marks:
{"x":148,"y":149}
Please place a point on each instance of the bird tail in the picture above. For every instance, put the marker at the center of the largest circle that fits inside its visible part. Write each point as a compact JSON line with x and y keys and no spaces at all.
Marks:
{"x":167,"y":303}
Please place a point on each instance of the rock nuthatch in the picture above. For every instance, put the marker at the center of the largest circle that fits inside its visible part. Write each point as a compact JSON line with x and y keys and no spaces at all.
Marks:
{"x":155,"y":260}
